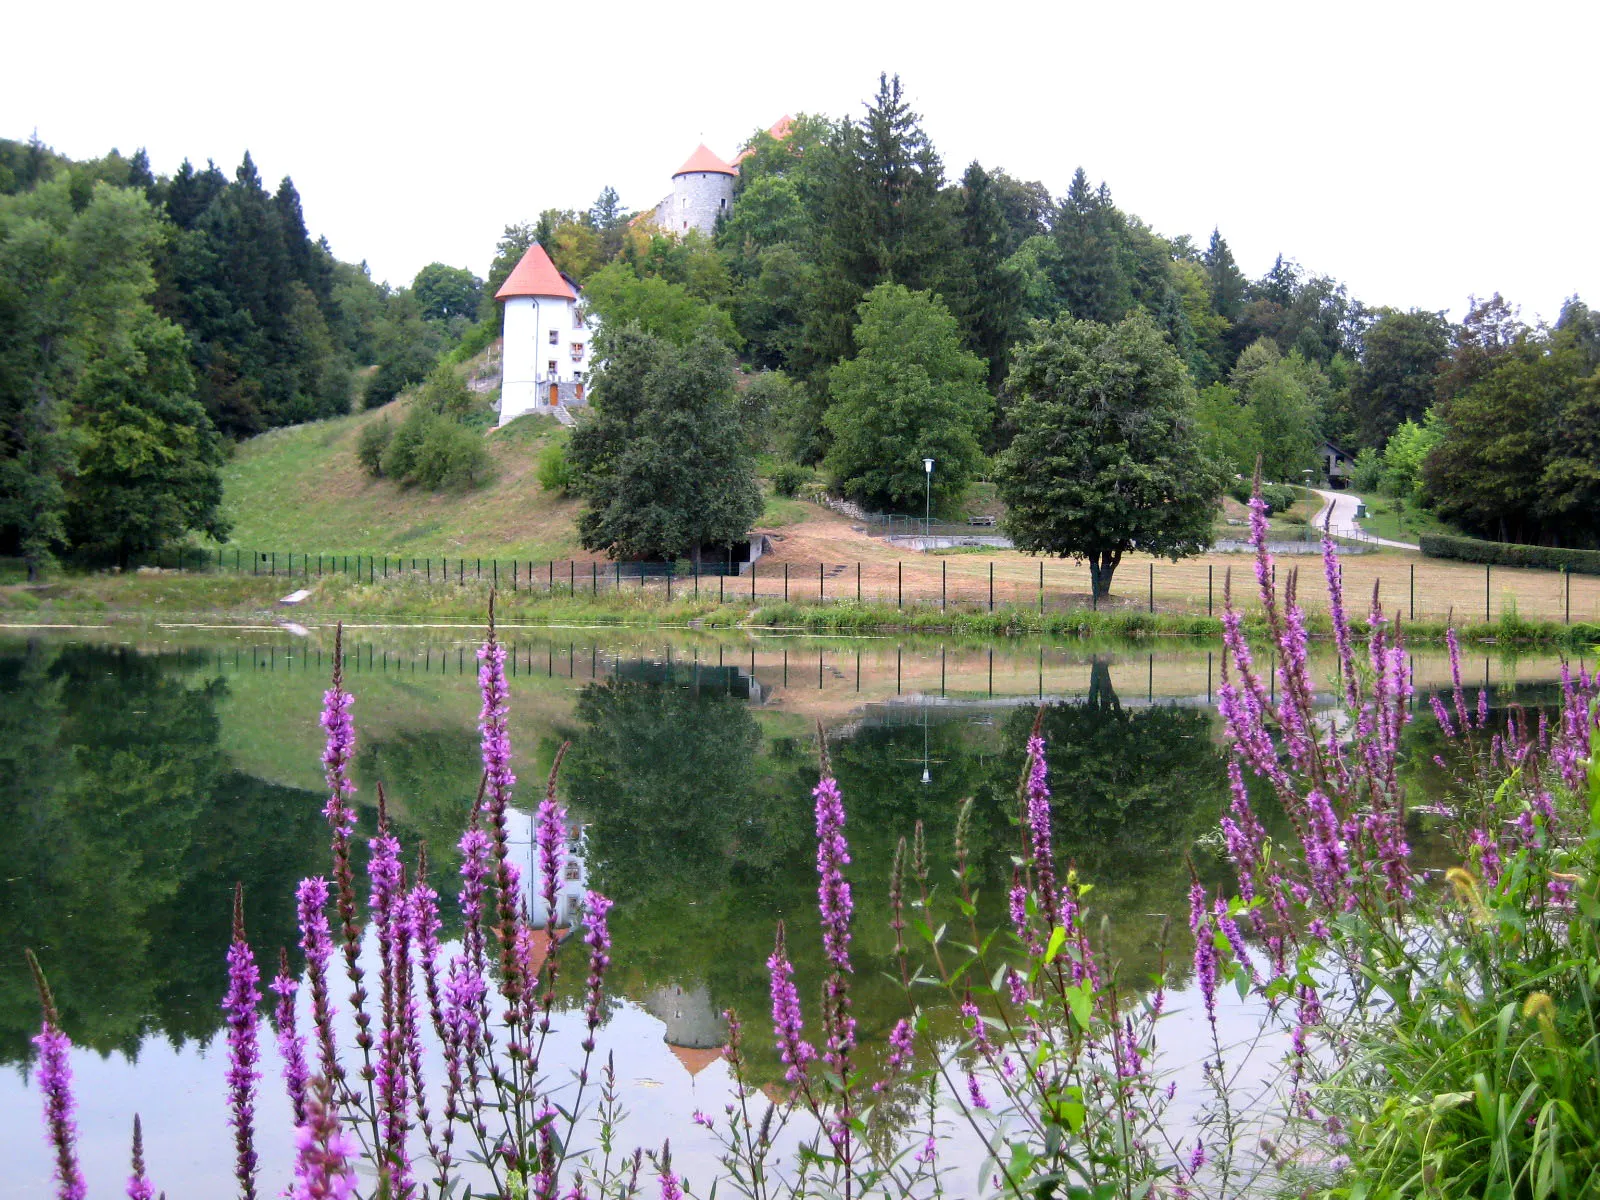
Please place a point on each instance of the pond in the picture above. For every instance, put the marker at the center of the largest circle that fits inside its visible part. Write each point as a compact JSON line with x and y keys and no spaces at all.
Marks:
{"x":143,"y":771}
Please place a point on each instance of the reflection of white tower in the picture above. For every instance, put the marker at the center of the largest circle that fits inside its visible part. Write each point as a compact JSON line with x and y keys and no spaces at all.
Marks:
{"x":695,"y":1031}
{"x":702,"y":191}
{"x":572,"y":885}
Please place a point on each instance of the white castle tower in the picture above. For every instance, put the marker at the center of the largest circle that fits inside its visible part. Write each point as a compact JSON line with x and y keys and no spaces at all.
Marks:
{"x":548,"y":342}
{"x":702,"y":191}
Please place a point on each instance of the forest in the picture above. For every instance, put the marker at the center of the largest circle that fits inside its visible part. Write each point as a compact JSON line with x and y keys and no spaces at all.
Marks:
{"x":147,"y":322}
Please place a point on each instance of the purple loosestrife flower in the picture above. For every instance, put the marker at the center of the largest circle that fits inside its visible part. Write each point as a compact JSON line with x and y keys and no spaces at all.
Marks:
{"x":496,"y":744}
{"x":316,"y":942}
{"x":1037,"y":820}
{"x":1455,"y":679}
{"x":833,"y":855}
{"x":324,"y":1161}
{"x":1205,"y":950}
{"x":291,"y":1046}
{"x":139,"y":1186}
{"x":976,"y":1027}
{"x":975,"y":1094}
{"x":340,"y":747}
{"x":1334,"y":574}
{"x":787,"y":1025}
{"x":901,"y":1050}
{"x":55,"y":1085}
{"x":239,"y":1007}
{"x":597,"y":936}
{"x":550,"y":834}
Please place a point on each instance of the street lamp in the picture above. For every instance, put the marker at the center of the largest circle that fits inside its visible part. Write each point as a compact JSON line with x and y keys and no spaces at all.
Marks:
{"x":927,"y":500}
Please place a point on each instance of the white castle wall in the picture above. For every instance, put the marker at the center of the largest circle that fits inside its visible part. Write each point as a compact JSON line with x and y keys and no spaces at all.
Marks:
{"x":697,"y":200}
{"x":526,"y":376}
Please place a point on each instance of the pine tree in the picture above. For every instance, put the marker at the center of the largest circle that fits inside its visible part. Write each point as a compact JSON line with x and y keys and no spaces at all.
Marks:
{"x":1089,"y":272}
{"x":1226,"y":282}
{"x":878,"y":216}
{"x":985,"y":294}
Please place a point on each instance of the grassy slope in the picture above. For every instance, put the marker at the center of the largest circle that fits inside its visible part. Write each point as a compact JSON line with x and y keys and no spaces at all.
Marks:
{"x":301,"y":489}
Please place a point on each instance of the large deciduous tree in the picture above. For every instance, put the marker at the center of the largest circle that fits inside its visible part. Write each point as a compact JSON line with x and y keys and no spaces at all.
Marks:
{"x":911,"y":392}
{"x":665,"y":463}
{"x":1106,"y":457}
{"x":445,"y":292}
{"x":1400,"y":359}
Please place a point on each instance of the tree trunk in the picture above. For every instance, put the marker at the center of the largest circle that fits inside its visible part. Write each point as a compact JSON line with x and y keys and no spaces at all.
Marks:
{"x":1102,"y":565}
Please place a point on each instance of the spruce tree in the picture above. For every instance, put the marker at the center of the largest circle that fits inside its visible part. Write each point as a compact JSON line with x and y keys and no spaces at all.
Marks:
{"x":1226,"y":282}
{"x":985,"y":294}
{"x":1089,"y":272}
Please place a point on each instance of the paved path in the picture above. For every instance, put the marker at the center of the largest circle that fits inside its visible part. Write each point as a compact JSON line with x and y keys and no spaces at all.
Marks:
{"x":1338,"y":516}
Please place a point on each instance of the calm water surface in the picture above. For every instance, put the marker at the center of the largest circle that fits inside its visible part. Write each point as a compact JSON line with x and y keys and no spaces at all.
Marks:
{"x":144,"y":771}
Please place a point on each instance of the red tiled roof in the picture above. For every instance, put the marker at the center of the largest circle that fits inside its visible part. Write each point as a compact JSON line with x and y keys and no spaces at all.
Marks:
{"x":781,"y":128}
{"x":704,"y":161}
{"x":535,"y":275}
{"x":695,"y":1060}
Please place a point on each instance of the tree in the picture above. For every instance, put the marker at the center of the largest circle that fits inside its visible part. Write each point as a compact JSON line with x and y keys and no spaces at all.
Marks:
{"x":659,"y":308}
{"x":1225,"y":282}
{"x":664,"y":464}
{"x":986,"y":293}
{"x":1227,"y":434}
{"x":911,"y":392}
{"x":150,"y":464}
{"x":1280,"y":397}
{"x":1408,"y":448}
{"x":877,"y":215}
{"x":447,"y":292}
{"x":1400,"y":360}
{"x":1106,"y":457}
{"x":1090,"y":277}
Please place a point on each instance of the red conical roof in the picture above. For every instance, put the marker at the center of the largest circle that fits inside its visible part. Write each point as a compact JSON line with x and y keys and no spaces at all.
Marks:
{"x":703,"y":160}
{"x":535,"y":275}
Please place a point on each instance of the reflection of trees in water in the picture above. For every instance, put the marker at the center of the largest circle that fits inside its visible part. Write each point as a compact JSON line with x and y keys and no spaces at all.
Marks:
{"x":703,"y":831}
{"x":126,"y":830}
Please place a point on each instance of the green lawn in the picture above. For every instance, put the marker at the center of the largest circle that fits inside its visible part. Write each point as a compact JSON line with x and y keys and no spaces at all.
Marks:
{"x":1400,"y":520}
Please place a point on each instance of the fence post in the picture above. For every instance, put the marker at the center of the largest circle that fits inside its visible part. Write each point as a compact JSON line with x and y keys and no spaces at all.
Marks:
{"x":722,"y":579}
{"x":991,"y":588}
{"x":1152,"y":587}
{"x":899,"y":583}
{"x":514,"y":564}
{"x":552,"y":586}
{"x":594,"y":576}
{"x":1566,"y":578}
{"x":752,"y":589}
{"x":274,"y":564}
{"x":944,"y":565}
{"x":572,"y":577}
{"x":1041,"y":587}
{"x":1411,"y":609}
{"x":858,"y":581}
{"x":494,"y":574}
{"x":1486,"y":569}
{"x":786,"y":583}
{"x":1210,"y":572}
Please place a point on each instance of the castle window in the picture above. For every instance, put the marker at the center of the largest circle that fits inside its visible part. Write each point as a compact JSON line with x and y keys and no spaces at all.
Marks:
{"x":555,"y":338}
{"x":577,"y":351}
{"x":723,"y":203}
{"x":552,"y":365}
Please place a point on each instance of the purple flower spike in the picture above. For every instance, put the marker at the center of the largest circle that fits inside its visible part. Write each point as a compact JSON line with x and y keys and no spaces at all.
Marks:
{"x":139,"y":1186}
{"x":787,"y":1024}
{"x":324,"y":1163}
{"x":597,"y":936}
{"x":239,"y":1007}
{"x":833,"y":855}
{"x":341,"y":745}
{"x":55,"y":1084}
{"x":291,"y":1046}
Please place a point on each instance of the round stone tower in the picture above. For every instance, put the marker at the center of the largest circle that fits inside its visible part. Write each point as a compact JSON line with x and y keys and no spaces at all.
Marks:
{"x":702,"y":191}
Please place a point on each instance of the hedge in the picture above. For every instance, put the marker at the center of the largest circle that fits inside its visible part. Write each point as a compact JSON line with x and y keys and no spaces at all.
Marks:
{"x":1508,"y":554}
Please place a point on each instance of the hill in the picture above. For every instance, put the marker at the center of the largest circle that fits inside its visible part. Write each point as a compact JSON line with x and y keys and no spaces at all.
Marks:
{"x":301,"y":489}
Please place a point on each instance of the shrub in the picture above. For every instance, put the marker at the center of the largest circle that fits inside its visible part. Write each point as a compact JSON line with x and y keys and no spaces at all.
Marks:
{"x":370,"y":446}
{"x":789,"y":478}
{"x":1510,"y":554}
{"x":1366,"y":473}
{"x":436,"y":453}
{"x":554,"y":472}
{"x":451,"y":457}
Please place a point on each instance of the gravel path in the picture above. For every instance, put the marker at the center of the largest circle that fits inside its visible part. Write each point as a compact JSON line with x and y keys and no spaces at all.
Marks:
{"x":1338,"y":515}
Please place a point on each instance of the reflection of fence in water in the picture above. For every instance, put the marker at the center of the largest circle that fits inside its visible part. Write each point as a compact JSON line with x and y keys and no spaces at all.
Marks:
{"x":775,"y":669}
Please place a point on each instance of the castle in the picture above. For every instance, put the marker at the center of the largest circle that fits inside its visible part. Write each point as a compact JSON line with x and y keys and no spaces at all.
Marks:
{"x":548,"y":337}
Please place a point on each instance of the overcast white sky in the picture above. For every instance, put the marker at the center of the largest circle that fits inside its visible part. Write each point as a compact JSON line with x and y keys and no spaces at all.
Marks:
{"x":1419,"y":151}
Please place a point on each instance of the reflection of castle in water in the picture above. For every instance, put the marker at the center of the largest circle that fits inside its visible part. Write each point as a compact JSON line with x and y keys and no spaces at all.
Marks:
{"x":695,"y":1030}
{"x":574,"y":881}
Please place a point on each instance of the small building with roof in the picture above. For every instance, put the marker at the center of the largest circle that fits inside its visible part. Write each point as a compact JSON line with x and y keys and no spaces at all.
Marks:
{"x":548,"y":338}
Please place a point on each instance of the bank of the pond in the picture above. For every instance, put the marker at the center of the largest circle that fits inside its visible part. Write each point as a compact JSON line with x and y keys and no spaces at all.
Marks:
{"x":168,"y":595}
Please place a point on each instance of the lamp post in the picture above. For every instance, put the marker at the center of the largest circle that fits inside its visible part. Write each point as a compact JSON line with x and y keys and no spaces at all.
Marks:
{"x":927,"y":500}
{"x":926,"y":776}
